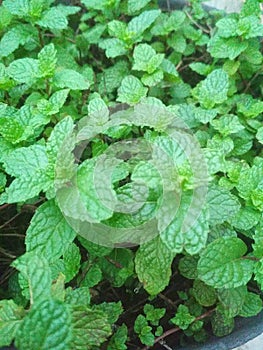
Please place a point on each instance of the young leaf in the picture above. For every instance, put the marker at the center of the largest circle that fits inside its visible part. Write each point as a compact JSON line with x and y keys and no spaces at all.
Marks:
{"x":183,"y":318}
{"x":140,"y":23}
{"x":119,"y":338}
{"x":47,"y":61}
{"x":153,"y":265}
{"x":131,"y":90}
{"x":71,"y":258}
{"x":135,"y":6}
{"x":49,"y":326}
{"x":221,"y":264}
{"x":146,"y":58}
{"x":204,"y":294}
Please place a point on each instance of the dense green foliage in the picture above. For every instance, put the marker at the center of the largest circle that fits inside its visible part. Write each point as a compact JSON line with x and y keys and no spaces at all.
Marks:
{"x":111,"y":71}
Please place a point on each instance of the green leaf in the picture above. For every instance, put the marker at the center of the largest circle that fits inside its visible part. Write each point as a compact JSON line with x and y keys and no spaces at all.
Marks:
{"x":98,"y":112}
{"x":92,"y":277}
{"x":36,"y":271}
{"x":245,"y":218}
{"x":53,"y":19}
{"x":131,"y":90}
{"x":28,"y":164}
{"x":153,"y":265}
{"x":78,"y":296}
{"x":152,"y":79}
{"x":140,"y":23}
{"x":49,"y":233}
{"x":90,"y":328}
{"x":10,"y":320}
{"x":259,"y":135}
{"x":221,"y":264}
{"x":143,"y":330}
{"x":221,"y":324}
{"x":222,"y":204}
{"x":226,"y":48}
{"x":188,"y":266}
{"x":213,"y":90}
{"x":119,"y":338}
{"x":114,"y":47}
{"x":49,"y":326}
{"x":146,"y":58}
{"x":182,"y":318}
{"x":68,"y":78}
{"x":135,"y":6}
{"x":47,"y":61}
{"x":18,"y":35}
{"x":112,"y":311}
{"x":227,"y":124}
{"x":200,"y":68}
{"x":24,"y":70}
{"x":112,"y":77}
{"x":118,"y":266}
{"x":204,"y":294}
{"x":153,"y":314}
{"x":227,"y":27}
{"x":71,"y":258}
{"x":232,"y":300}
{"x":252,"y":305}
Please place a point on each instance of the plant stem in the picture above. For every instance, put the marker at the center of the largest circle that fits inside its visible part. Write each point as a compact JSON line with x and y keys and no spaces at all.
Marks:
{"x":176,"y":329}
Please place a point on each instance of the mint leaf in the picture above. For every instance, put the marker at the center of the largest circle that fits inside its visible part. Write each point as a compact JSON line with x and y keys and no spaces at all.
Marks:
{"x":114,"y":47}
{"x":119,"y":338}
{"x":28,"y":164}
{"x":90,"y":327}
{"x":221,"y":324}
{"x":153,"y":265}
{"x":227,"y":124}
{"x":226,"y":48}
{"x":183,"y":318}
{"x":134,"y":6}
{"x":71,"y":258}
{"x":252,"y":305}
{"x":204,"y":294}
{"x":36,"y":271}
{"x":49,"y":233}
{"x":10,"y":321}
{"x":213,"y":90}
{"x":131,"y":90}
{"x":222,"y":204}
{"x":146,"y":58}
{"x":68,"y":78}
{"x":140,"y":23}
{"x":24,"y":70}
{"x":221,"y":263}
{"x":232,"y":300}
{"x":49,"y":326}
{"x":47,"y":61}
{"x":53,"y":19}
{"x":188,"y":266}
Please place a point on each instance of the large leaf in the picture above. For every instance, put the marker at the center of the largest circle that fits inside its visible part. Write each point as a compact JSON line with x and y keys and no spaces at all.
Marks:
{"x":49,"y":233}
{"x":222,"y":265}
{"x":68,"y":78}
{"x":153,"y":265}
{"x":46,"y":326}
{"x":24,"y":70}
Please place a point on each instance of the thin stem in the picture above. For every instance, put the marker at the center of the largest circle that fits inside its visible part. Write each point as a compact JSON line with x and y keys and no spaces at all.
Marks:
{"x":40,"y":37}
{"x":196,"y":24}
{"x":4,"y":206}
{"x":176,"y":329}
{"x":9,"y":221}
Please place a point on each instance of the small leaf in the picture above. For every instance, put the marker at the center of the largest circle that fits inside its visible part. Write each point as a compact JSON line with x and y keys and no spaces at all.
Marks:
{"x":232,"y":300}
{"x":183,"y":318}
{"x":146,"y":58}
{"x":221,"y":264}
{"x":204,"y":294}
{"x":140,"y":23}
{"x":47,"y":60}
{"x":135,"y":6}
{"x":221,"y":324}
{"x":71,"y":258}
{"x":131,"y":90}
{"x":49,"y":325}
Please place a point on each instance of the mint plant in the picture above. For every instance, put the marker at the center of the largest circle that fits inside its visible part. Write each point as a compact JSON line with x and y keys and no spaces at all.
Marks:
{"x":131,"y":169}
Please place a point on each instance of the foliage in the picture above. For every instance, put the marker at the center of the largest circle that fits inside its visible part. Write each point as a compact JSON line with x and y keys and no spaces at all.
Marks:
{"x":133,"y":136}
